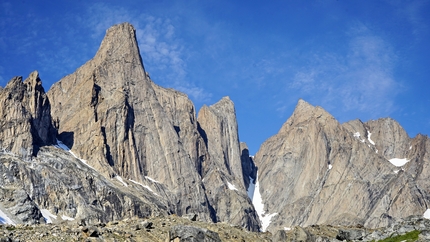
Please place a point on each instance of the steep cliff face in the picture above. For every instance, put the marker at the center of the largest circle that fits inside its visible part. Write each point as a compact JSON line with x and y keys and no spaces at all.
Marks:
{"x":330,"y":173}
{"x":181,"y":113}
{"x":25,"y":125}
{"x":130,"y":127}
{"x":222,"y":172}
{"x":109,"y":114}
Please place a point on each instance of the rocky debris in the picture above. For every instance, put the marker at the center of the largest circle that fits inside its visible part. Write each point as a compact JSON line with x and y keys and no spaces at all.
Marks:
{"x":223,"y":173}
{"x":192,"y":234}
{"x":412,"y":224}
{"x":156,"y":229}
{"x":26,"y":120}
{"x":174,"y":228}
{"x":329,"y":175}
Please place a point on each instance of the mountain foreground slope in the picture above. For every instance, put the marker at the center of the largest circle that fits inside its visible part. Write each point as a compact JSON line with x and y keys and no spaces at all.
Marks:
{"x":106,"y":143}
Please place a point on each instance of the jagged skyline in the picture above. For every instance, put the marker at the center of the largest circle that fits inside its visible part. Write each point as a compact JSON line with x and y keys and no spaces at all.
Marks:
{"x":356,"y":60}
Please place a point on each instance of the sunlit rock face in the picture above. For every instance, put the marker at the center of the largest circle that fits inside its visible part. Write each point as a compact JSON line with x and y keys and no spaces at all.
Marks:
{"x":318,"y":171}
{"x":107,"y":143}
{"x":112,"y":115}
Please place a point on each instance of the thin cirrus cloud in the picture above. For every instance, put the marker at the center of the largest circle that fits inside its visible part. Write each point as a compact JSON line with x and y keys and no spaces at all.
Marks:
{"x":162,"y":51}
{"x":360,"y":79}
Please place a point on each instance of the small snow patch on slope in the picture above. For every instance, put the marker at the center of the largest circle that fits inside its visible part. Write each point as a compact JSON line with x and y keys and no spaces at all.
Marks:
{"x":153,"y":180}
{"x":398,"y":162}
{"x":357,"y":135}
{"x":64,"y":217}
{"x":147,"y":187}
{"x":48,"y":215}
{"x":427,"y":214}
{"x":257,"y":201}
{"x":120,"y":180}
{"x":368,"y":137}
{"x":4,"y":219}
{"x":231,"y":186}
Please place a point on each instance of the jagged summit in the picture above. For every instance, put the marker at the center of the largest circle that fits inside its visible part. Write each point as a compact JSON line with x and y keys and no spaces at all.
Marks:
{"x":26,"y":118}
{"x":120,"y":44}
{"x":341,"y":174}
{"x":304,"y":112}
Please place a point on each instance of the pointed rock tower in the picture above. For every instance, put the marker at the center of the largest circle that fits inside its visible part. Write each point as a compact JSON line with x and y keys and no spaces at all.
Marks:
{"x":109,"y":114}
{"x":26,"y":120}
{"x":222,"y":172}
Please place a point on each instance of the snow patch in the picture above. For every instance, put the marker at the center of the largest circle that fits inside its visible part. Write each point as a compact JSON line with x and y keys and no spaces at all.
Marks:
{"x":120,"y":180}
{"x":357,"y":135}
{"x":64,"y":217}
{"x":287,"y":229}
{"x":48,"y":215}
{"x":399,"y":162}
{"x":231,"y":186}
{"x":153,"y":180}
{"x":330,"y":166}
{"x":368,"y":137}
{"x":410,"y":147}
{"x":427,"y":214}
{"x":257,"y":201}
{"x":4,"y":219}
{"x":147,"y":187}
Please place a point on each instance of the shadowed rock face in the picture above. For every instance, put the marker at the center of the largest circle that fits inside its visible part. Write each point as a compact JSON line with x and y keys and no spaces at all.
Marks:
{"x":326,"y":174}
{"x":25,"y":125}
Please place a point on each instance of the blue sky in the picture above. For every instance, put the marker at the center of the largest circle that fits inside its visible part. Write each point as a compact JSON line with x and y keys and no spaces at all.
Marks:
{"x":356,"y":59}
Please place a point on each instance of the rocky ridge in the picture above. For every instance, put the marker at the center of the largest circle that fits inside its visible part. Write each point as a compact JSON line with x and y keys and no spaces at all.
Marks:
{"x":340,"y":174}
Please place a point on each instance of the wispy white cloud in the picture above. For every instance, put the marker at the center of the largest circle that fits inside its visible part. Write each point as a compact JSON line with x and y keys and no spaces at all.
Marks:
{"x":414,"y":13}
{"x":359,"y":80}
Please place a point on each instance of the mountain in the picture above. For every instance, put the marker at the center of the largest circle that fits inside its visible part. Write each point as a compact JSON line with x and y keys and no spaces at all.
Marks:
{"x":135,"y":148}
{"x":106,"y":143}
{"x":318,"y":171}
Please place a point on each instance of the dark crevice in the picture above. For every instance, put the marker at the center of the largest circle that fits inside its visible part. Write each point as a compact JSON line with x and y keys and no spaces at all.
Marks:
{"x":202,"y":133}
{"x":177,"y":129}
{"x":95,"y":99}
{"x":108,"y":152}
